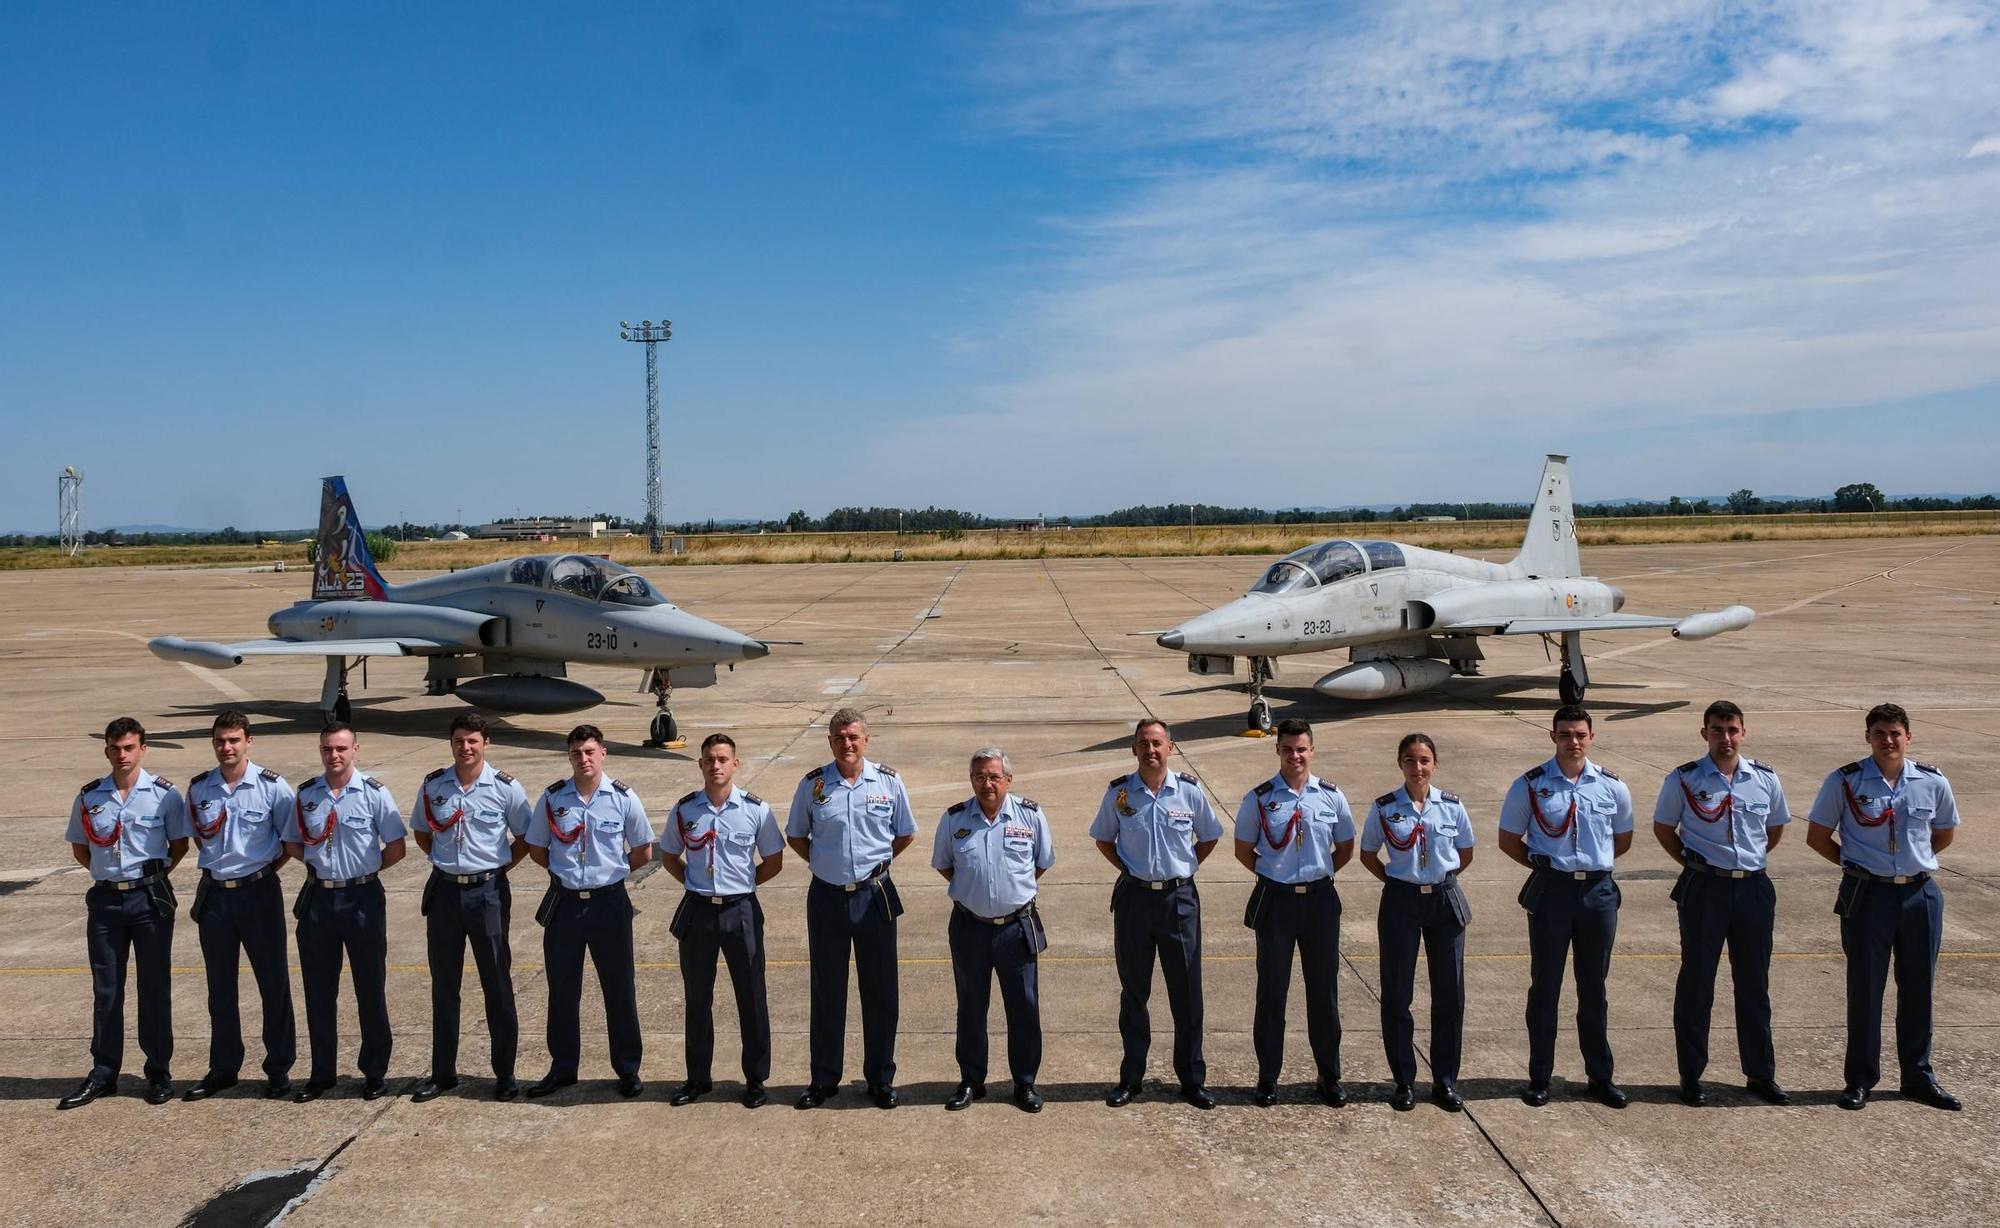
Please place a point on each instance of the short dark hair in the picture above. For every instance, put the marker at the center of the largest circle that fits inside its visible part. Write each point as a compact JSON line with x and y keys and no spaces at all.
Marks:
{"x":470,"y":722}
{"x":1572,"y":712}
{"x":1887,"y":714}
{"x":1721,"y":710}
{"x":718,"y":739}
{"x":334,"y":727}
{"x":843,"y":717}
{"x":123,"y":727}
{"x":1415,"y":739}
{"x":584,"y":733}
{"x":1292,"y":726}
{"x":1151,"y":720}
{"x":231,"y":719}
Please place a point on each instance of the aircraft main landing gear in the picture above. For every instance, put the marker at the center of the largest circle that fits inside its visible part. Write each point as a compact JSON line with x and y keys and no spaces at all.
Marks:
{"x":333,"y":702}
{"x":1259,"y":722}
{"x":1575,"y":678}
{"x":666,"y":734}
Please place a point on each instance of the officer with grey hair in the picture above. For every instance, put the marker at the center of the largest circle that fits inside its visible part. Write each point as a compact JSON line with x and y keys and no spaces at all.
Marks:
{"x":991,"y":848}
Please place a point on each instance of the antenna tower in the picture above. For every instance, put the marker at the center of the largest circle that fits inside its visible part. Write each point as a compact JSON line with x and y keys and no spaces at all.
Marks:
{"x":651,"y":335}
{"x":69,"y":511}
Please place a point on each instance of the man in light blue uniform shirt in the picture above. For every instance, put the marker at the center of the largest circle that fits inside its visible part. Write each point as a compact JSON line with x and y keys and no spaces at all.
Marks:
{"x":1720,"y":816}
{"x":347,"y":830}
{"x":1892,"y":816}
{"x":992,"y":848}
{"x":1567,"y":820}
{"x":589,"y":832}
{"x":240,"y":813}
{"x":1293,"y":832}
{"x":471,"y":820}
{"x":129,"y":829}
{"x":849,"y":819}
{"x":1157,"y":827}
{"x":721,"y":842}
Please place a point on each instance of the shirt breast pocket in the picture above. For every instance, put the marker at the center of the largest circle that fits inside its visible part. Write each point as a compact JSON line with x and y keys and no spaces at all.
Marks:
{"x":1020,"y":851}
{"x":147,"y":820}
{"x":250,"y":818}
{"x":739,"y":839}
{"x":1181,"y":821}
{"x":608,"y":824}
{"x":1922,"y":814}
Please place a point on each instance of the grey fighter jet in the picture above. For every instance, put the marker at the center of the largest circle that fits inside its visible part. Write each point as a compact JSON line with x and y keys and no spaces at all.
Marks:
{"x":499,"y":636}
{"x":1411,"y":618}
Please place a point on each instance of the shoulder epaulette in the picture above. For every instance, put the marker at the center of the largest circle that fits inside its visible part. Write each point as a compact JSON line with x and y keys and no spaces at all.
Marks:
{"x":1119,"y":779}
{"x":956,"y":809}
{"x":1535,"y":772}
{"x":164,"y":783}
{"x":1605,"y":771}
{"x":201,"y":776}
{"x":374,"y":783}
{"x":267,"y":776}
{"x":1450,"y":797}
{"x":1263,"y":787}
{"x":1851,"y":769}
{"x":1386,"y":799}
{"x":1690,"y":766}
{"x":1190,"y":777}
{"x":686,"y":798}
{"x":503,"y":777}
{"x":1328,"y":785}
{"x":441,"y":771}
{"x":1028,"y":803}
{"x":1925,"y":767}
{"x":816,"y":772}
{"x":1765,"y":768}
{"x":558,"y":784}
{"x":619,"y":786}
{"x":885,"y":769}
{"x":752,"y":798}
{"x":90,"y":784}
{"x":309,"y":784}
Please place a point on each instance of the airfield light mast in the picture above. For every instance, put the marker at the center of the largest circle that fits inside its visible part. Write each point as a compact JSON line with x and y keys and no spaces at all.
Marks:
{"x":651,"y":334}
{"x":69,"y":510}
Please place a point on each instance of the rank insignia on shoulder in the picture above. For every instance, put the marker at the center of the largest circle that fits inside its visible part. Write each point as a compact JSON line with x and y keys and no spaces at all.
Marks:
{"x":1535,"y":772}
{"x":752,"y":798}
{"x":1189,"y":777}
{"x":1851,"y":769}
{"x":1765,"y":768}
{"x":1690,"y":767}
{"x":1263,"y":788}
{"x":620,"y":786}
{"x":558,"y":784}
{"x":502,"y":777}
{"x":161,"y":782}
{"x":1925,"y":767}
{"x":1450,"y":797}
{"x":439,"y":772}
{"x":1605,"y":771}
{"x":816,"y":772}
{"x":1028,"y":803}
{"x":1386,"y":800}
{"x":267,"y":775}
{"x":90,"y":784}
{"x":961,"y":833}
{"x":885,"y":769}
{"x":373,"y":783}
{"x":958,"y":809}
{"x":309,"y":784}
{"x":686,"y":798}
{"x":201,"y":776}
{"x":1118,"y":779}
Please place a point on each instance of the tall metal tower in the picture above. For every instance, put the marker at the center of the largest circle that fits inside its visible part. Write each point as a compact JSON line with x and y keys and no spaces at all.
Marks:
{"x":651,"y":334}
{"x":69,"y":511}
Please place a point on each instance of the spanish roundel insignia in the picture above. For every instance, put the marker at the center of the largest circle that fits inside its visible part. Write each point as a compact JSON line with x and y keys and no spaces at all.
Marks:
{"x":819,"y":792}
{"x":961,"y":833}
{"x":1124,"y":803}
{"x":311,"y":806}
{"x":560,"y":811}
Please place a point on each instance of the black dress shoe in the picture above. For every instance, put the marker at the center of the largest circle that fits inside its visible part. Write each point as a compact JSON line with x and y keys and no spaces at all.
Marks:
{"x":816,"y":1094}
{"x":1198,"y":1096}
{"x":883,"y":1094}
{"x":629,"y":1086}
{"x":1331,"y":1093}
{"x":159,"y":1091}
{"x":1404,"y":1098}
{"x":689,"y":1092}
{"x":1121,"y":1095}
{"x":1026,"y":1098}
{"x":208,"y":1085}
{"x":504,"y":1090}
{"x":1853,"y":1098}
{"x":1768,"y":1091}
{"x":1446,"y":1097}
{"x":963,"y":1095}
{"x":1536,"y":1096}
{"x":431,"y":1089}
{"x":549,"y":1084}
{"x":374,"y":1089}
{"x":277,"y":1088}
{"x":1692,"y":1094}
{"x":1264,"y":1097}
{"x":1607,"y":1093}
{"x":1929,"y":1092}
{"x":311,"y":1090}
{"x":755,"y":1097}
{"x":87,"y":1091}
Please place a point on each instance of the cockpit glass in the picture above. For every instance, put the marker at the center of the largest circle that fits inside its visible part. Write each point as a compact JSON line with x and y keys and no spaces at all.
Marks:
{"x":630,"y":589}
{"x":1383,"y":554}
{"x":577,"y":575}
{"x":1283,"y":577}
{"x":528,"y":571}
{"x":1331,"y":561}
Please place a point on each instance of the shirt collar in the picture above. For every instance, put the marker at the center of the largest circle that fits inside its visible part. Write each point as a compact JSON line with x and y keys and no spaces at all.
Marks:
{"x":1554,"y":768}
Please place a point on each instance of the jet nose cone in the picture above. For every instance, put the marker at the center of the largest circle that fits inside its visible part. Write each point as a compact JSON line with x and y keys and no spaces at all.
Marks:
{"x":753,"y":649}
{"x":1171,"y":639}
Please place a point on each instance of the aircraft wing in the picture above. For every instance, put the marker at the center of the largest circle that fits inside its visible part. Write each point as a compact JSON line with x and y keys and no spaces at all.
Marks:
{"x":222,"y":656}
{"x":1554,"y":626}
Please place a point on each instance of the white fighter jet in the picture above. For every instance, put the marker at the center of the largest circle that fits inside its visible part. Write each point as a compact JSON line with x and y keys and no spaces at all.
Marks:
{"x":1411,"y":618}
{"x":498,"y":636}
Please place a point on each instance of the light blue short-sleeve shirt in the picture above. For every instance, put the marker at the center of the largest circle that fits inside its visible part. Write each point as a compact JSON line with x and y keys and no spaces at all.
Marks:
{"x":1422,"y":841}
{"x":1723,"y":819}
{"x":240,"y":828}
{"x":1295,"y":831}
{"x":341,"y":834}
{"x":588,"y":838}
{"x":852,"y":824}
{"x":1156,"y":832}
{"x":1569,"y":822}
{"x":472,"y":827}
{"x":721,"y":844}
{"x":124,"y":833}
{"x":1884,"y":828}
{"x":993,"y":862}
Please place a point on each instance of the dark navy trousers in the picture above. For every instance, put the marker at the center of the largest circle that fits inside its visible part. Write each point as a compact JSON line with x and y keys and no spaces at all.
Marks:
{"x":1309,"y":922}
{"x":602,"y":926}
{"x":1572,"y":914}
{"x":1736,"y":913}
{"x":119,"y":926}
{"x":1166,"y":924}
{"x":474,"y":915}
{"x":1903,"y":922}
{"x":1407,"y":918}
{"x":980,"y":952}
{"x":350,"y":923}
{"x":247,"y":921}
{"x":733,"y":929}
{"x":859,"y":921}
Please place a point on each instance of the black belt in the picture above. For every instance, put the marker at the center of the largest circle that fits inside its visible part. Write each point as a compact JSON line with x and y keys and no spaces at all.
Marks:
{"x":1016,"y":915}
{"x":1696,"y":863}
{"x":875,"y":875}
{"x":1160,"y":884}
{"x":130,"y":884}
{"x":231,"y":884}
{"x":1581,"y":876}
{"x":584,"y":893}
{"x":720,"y":900}
{"x":1853,"y":871}
{"x":467,"y":880}
{"x":359,"y":880}
{"x":1425,"y":888}
{"x":1310,"y":887}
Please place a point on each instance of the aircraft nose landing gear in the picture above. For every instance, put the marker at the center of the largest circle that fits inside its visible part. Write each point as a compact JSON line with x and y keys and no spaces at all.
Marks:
{"x":1259,"y":721}
{"x":665,"y":733}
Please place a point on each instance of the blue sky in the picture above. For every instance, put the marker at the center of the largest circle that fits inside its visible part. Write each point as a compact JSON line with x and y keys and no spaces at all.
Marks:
{"x":1009,"y":257}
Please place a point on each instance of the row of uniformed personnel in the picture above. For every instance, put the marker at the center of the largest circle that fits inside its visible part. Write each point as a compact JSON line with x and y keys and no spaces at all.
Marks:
{"x":1882,"y":819}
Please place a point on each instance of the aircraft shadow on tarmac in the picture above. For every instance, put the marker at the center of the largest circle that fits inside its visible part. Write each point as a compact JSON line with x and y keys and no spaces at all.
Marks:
{"x":275,"y":717}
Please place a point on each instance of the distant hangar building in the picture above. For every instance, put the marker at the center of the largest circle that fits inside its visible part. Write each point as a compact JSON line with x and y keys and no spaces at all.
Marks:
{"x":541,"y":529}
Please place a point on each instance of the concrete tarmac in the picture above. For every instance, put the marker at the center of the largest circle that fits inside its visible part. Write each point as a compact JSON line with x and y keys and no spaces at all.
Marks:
{"x":1054,"y":662}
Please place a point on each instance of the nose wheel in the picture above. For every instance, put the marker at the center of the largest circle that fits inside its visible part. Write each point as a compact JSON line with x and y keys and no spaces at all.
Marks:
{"x":1258,"y":724}
{"x":665,"y":733}
{"x":1569,"y":688}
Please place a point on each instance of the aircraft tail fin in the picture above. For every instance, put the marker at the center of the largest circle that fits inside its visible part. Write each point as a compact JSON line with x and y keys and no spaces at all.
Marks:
{"x":343,"y":569}
{"x":1548,"y":551}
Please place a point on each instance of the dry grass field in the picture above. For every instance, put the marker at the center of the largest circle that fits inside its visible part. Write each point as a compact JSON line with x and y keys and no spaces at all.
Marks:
{"x":1059,"y":543}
